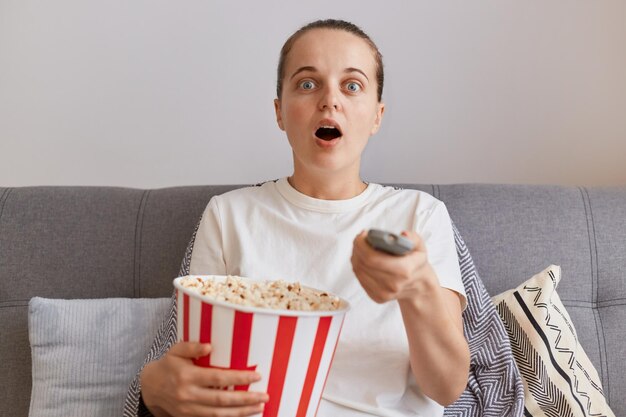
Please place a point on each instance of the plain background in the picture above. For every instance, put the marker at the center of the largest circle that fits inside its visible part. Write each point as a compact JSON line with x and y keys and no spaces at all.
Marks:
{"x":155,"y":93}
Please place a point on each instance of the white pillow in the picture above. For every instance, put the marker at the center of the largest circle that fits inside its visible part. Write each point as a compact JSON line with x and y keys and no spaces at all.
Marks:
{"x":559,"y":379}
{"x":86,"y":352}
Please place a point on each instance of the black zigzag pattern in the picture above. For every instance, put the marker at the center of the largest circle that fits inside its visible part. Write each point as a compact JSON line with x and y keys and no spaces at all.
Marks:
{"x":495,"y":387}
{"x":564,"y":349}
{"x":591,"y":381}
{"x":550,"y":399}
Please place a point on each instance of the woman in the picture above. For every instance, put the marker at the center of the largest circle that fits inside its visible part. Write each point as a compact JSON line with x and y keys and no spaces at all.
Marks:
{"x":402,"y":350}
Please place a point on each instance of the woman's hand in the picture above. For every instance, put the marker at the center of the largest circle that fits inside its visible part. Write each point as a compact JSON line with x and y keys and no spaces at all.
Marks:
{"x":387,"y":277}
{"x":438,"y":351}
{"x":174,"y":386}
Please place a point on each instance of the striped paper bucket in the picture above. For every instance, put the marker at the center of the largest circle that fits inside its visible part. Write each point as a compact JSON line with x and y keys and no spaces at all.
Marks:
{"x":291,"y":350}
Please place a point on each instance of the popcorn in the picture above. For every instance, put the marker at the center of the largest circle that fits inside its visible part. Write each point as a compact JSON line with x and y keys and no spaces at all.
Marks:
{"x":279,"y":295}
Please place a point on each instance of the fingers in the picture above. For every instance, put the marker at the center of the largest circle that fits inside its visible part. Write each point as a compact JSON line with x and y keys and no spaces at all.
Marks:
{"x":206,"y":398}
{"x":190,"y":350}
{"x":361,"y":242}
{"x":174,"y":384}
{"x":220,"y":398}
{"x":385,"y":264}
{"x":385,"y":277}
{"x":416,"y":239}
{"x":379,"y":267}
{"x":208,"y":377}
{"x":210,"y":411}
{"x":215,"y":377}
{"x":373,"y":288}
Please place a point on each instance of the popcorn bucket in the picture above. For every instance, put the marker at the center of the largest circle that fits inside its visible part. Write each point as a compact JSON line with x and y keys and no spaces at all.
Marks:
{"x":291,"y":350}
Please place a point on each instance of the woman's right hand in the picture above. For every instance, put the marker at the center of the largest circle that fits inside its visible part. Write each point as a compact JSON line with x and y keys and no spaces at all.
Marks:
{"x":174,"y":386}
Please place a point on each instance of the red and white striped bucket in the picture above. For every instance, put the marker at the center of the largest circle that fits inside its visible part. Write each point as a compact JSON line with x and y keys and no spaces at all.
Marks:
{"x":291,"y":350}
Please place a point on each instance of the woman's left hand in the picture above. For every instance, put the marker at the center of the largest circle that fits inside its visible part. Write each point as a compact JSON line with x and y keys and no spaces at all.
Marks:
{"x":386,"y":277}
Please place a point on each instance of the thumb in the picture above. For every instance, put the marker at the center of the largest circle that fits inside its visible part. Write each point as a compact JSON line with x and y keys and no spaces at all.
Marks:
{"x":417,"y":240}
{"x":190,"y":350}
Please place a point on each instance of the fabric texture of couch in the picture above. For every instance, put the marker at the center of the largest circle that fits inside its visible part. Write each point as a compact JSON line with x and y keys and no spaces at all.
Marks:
{"x":105,"y":242}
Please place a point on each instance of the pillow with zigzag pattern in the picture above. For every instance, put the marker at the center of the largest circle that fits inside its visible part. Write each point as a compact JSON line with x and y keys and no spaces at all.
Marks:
{"x":559,"y":379}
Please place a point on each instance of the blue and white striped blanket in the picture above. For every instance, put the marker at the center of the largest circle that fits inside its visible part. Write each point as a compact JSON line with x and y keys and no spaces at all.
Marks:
{"x":494,"y":387}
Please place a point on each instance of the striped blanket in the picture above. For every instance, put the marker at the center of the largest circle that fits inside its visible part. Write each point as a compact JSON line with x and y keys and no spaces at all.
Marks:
{"x":494,"y":387}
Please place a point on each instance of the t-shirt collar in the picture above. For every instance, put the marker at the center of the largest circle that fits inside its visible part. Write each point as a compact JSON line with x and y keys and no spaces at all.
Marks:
{"x":296,"y":198}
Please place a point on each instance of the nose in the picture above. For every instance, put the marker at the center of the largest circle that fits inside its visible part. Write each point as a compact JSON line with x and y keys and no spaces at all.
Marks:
{"x":330,"y":100}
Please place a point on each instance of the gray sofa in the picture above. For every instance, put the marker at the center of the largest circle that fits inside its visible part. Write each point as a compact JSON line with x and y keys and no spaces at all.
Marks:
{"x":98,"y":242}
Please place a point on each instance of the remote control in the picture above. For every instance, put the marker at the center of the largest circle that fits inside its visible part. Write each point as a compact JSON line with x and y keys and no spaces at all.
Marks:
{"x":389,"y":242}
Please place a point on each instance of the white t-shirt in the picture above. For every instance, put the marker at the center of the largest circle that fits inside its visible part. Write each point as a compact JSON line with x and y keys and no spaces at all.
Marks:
{"x":272,"y":231}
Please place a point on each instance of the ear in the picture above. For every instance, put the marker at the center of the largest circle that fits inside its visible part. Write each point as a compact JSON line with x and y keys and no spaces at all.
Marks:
{"x":379,"y":118}
{"x":279,"y":117}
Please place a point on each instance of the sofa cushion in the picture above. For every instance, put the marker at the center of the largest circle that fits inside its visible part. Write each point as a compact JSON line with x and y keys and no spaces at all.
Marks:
{"x":559,"y":379}
{"x":86,"y":352}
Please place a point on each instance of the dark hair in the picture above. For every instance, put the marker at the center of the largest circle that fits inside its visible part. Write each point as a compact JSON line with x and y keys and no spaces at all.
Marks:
{"x":337,"y":25}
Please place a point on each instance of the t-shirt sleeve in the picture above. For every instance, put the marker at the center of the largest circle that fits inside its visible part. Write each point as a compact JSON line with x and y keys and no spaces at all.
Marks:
{"x":207,"y":256}
{"x":435,"y":227}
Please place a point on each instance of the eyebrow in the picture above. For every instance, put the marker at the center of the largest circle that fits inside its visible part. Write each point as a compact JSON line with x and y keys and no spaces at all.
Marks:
{"x":313,"y":69}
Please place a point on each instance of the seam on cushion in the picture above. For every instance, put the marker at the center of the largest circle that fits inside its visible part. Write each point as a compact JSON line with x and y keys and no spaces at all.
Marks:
{"x":14,"y":303}
{"x":593,"y":249}
{"x":604,"y":305}
{"x":592,"y":245}
{"x":598,"y":323}
{"x":594,"y":300}
{"x":611,"y":305}
{"x":599,"y":304}
{"x":138,"y":236}
{"x":3,"y":200}
{"x":436,"y":191}
{"x":596,"y":311}
{"x":594,"y":303}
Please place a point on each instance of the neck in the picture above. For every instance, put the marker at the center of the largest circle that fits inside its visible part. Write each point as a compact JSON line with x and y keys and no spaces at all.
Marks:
{"x":327,"y":187}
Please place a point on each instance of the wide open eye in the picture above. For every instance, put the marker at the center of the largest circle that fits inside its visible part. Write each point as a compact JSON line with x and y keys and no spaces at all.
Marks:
{"x":307,"y":85}
{"x":353,"y":87}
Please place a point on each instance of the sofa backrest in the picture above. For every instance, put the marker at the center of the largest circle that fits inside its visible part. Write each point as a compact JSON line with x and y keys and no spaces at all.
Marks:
{"x":97,"y":242}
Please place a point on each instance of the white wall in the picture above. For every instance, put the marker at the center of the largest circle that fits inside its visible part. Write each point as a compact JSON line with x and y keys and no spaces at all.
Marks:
{"x":155,"y":93}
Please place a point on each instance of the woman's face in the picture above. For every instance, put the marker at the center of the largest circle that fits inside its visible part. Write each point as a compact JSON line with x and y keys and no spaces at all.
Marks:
{"x":329,"y":106}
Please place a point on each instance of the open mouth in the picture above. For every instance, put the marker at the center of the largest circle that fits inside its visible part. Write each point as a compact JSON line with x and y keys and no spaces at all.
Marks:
{"x":328,"y":133}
